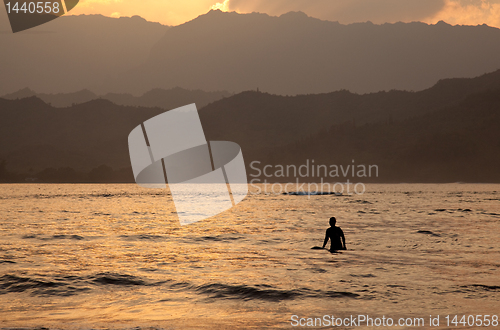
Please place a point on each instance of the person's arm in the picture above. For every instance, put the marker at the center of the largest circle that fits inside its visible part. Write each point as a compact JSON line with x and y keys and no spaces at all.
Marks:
{"x":343,"y":239}
{"x":326,"y":239}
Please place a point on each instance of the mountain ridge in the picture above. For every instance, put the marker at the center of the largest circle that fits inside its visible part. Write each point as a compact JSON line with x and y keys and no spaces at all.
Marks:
{"x":298,"y":55}
{"x":272,"y":128}
{"x":165,"y":99}
{"x":290,"y":54}
{"x":74,"y":52}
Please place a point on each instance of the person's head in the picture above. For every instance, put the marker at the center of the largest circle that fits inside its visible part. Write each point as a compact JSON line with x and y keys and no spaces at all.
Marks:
{"x":333,"y":221}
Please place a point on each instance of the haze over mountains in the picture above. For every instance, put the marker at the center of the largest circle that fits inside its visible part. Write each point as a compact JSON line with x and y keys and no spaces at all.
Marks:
{"x":446,"y":133}
{"x":287,"y":55}
{"x":296,"y":54}
{"x":73,"y":53}
{"x":161,"y":98}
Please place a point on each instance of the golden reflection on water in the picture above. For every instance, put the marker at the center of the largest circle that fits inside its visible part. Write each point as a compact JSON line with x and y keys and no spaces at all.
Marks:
{"x":76,"y":256}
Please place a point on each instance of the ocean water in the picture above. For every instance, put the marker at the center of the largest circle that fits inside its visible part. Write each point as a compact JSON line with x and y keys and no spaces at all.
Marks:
{"x":115,"y":256}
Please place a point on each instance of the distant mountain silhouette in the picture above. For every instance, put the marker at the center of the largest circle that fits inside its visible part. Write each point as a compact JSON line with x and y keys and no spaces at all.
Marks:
{"x":20,"y":94}
{"x":258,"y":120}
{"x":34,"y":135}
{"x":59,"y":100}
{"x":165,"y":99}
{"x":74,"y":52}
{"x":286,"y":55}
{"x":446,"y":133}
{"x":455,"y":144}
{"x":296,"y":54}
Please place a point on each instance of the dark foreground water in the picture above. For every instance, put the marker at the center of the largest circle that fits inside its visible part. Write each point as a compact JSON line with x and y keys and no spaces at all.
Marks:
{"x":114,"y":256}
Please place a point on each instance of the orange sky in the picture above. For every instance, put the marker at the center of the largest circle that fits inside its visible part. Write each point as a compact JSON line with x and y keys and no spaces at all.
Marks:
{"x":470,"y":12}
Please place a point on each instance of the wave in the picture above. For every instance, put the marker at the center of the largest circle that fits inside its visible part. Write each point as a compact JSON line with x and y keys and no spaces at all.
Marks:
{"x":137,"y":237}
{"x":481,"y":287}
{"x":428,"y":232}
{"x":85,"y":195}
{"x":72,"y":285}
{"x":265,"y":292}
{"x":312,"y":193}
{"x":38,"y":286}
{"x":54,"y":237}
{"x":140,"y":237}
{"x":117,"y":279}
{"x":220,"y":238}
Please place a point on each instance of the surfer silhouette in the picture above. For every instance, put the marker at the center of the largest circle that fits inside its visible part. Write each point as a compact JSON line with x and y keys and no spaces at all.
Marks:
{"x":336,"y":236}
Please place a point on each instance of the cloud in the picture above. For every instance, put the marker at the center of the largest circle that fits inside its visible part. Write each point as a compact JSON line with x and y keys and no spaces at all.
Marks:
{"x":91,"y":3}
{"x":347,"y":11}
{"x":165,"y":12}
{"x":469,"y":12}
{"x":224,"y":6}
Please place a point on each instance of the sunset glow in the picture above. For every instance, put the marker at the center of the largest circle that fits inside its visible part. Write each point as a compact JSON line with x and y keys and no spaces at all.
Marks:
{"x":462,"y":12}
{"x":485,"y":12}
{"x":224,"y":6}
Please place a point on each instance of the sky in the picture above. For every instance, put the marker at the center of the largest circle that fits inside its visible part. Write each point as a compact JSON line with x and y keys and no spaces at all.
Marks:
{"x":168,"y":12}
